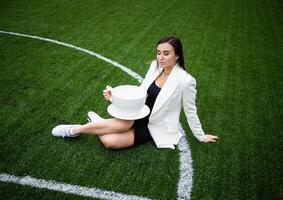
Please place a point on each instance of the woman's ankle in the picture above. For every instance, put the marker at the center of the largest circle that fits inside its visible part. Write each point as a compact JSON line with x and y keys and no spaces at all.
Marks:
{"x":76,"y":130}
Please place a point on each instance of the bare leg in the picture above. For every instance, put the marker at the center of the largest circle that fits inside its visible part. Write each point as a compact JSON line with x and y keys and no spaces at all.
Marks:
{"x":118,"y":140}
{"x":105,"y":126}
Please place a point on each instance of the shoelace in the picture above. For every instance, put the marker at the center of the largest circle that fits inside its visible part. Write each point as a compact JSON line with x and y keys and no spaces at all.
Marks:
{"x":67,"y":133}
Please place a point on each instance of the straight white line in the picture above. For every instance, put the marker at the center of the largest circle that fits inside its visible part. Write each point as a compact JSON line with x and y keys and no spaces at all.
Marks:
{"x":185,"y":168}
{"x":186,"y":171}
{"x":67,"y":188}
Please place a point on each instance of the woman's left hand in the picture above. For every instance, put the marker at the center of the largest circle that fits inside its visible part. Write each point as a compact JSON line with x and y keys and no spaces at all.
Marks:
{"x":210,"y":138}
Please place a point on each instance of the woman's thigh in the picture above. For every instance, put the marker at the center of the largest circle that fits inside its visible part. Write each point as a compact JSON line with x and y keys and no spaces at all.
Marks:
{"x":123,"y":125}
{"x":105,"y":126}
{"x":118,"y":140}
{"x":113,"y":125}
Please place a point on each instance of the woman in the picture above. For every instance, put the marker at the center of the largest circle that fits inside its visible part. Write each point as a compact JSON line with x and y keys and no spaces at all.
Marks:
{"x":169,"y":87}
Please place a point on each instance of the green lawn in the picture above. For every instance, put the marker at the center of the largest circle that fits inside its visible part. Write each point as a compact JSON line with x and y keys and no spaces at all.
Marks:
{"x":234,"y":48}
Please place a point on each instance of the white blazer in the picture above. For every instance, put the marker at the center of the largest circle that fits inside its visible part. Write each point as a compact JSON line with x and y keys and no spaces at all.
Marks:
{"x":179,"y":90}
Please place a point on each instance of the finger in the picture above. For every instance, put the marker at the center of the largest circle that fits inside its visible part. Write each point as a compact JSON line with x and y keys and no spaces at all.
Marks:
{"x":207,"y":140}
{"x":108,"y":87}
{"x":212,"y":139}
{"x":213,"y":136}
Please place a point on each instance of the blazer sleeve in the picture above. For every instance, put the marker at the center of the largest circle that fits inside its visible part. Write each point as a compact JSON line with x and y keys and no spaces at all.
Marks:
{"x":189,"y":105}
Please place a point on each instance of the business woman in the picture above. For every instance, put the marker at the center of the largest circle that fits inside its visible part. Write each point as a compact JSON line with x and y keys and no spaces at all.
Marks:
{"x":169,"y":87}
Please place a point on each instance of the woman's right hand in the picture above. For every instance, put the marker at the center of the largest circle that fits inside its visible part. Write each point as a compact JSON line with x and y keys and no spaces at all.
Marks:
{"x":107,"y":92}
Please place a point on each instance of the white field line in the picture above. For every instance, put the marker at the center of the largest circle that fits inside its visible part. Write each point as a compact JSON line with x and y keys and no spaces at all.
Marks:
{"x":67,"y":188}
{"x":122,"y":67}
{"x":186,"y":171}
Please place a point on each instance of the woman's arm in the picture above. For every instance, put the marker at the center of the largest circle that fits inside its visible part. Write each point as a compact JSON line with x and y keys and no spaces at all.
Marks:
{"x":190,"y":109}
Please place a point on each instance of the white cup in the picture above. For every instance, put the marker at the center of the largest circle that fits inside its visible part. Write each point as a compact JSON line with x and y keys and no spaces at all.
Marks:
{"x":128,"y":100}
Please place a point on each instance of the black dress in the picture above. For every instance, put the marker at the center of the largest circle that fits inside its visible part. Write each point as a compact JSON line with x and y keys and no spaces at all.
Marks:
{"x":141,"y":132}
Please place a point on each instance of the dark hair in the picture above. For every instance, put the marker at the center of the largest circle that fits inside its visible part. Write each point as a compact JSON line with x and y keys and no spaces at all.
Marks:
{"x":176,"y":43}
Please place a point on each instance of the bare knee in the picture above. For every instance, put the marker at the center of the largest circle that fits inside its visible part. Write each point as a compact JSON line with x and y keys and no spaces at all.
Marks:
{"x":124,"y":125}
{"x":108,"y":141}
{"x":119,"y":140}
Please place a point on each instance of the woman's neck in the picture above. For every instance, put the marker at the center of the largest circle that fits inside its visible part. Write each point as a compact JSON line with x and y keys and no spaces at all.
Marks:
{"x":168,"y":70}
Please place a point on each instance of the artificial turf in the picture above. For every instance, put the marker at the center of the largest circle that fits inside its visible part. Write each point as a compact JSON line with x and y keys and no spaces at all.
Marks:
{"x":233,"y":48}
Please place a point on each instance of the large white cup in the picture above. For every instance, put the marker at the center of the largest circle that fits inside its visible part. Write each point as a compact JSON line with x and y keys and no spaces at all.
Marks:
{"x":128,"y":101}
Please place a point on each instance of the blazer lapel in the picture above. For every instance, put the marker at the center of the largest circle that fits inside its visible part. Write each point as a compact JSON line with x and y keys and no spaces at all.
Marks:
{"x":167,"y":89}
{"x":152,"y":76}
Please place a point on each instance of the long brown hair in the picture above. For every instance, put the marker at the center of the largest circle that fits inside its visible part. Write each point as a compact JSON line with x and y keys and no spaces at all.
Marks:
{"x":176,"y":43}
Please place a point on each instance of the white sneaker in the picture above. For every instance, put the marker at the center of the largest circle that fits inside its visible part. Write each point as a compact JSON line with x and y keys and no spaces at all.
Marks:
{"x":93,"y":117}
{"x":64,"y":131}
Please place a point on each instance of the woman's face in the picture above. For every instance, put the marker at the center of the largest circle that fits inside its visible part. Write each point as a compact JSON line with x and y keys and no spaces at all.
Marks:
{"x":166,"y":56}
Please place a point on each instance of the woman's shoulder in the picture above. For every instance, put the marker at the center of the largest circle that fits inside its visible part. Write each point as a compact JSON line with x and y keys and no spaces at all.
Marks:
{"x":190,"y":77}
{"x":153,"y":64}
{"x":186,"y":76}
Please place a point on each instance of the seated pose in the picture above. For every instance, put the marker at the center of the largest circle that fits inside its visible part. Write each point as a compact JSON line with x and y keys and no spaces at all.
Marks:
{"x":169,"y":88}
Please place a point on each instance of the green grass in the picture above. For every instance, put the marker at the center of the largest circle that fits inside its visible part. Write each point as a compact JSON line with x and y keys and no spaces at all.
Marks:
{"x":14,"y":191}
{"x":233,"y":48}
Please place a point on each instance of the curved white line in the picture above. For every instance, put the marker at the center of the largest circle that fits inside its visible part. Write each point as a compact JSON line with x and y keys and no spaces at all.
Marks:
{"x":122,"y":67}
{"x":186,"y":171}
{"x":67,"y":188}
